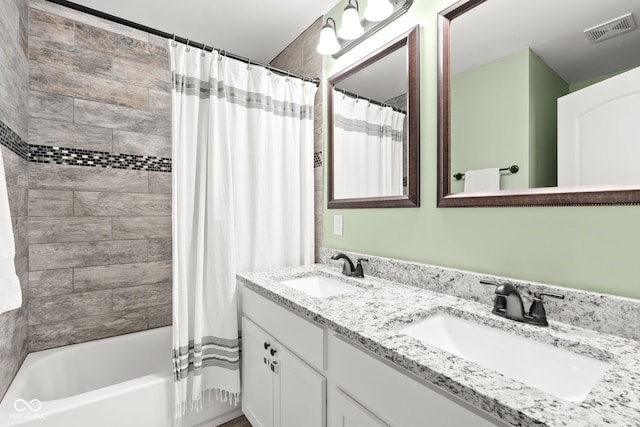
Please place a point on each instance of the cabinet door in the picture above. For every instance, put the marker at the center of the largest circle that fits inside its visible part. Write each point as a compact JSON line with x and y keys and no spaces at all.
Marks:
{"x":257,"y":378}
{"x":346,"y":412}
{"x":301,"y":400}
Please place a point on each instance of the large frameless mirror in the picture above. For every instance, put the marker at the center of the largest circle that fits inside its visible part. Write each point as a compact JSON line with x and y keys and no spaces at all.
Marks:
{"x":374,"y":129}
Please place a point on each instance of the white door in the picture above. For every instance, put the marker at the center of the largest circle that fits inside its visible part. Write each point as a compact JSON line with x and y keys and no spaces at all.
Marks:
{"x":302,"y":392}
{"x":257,"y":378}
{"x":346,"y":412}
{"x":599,"y":133}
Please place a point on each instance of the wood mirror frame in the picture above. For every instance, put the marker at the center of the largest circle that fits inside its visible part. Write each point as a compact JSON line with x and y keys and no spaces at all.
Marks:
{"x":547,"y":196}
{"x":411,"y":199}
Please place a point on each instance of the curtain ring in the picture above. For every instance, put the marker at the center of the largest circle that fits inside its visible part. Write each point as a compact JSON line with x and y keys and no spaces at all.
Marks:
{"x":220,"y":54}
{"x":188,"y":47}
{"x":288,"y":75}
{"x":204,"y":49}
{"x":173,"y":42}
{"x":248,"y":64}
{"x":269,"y":70}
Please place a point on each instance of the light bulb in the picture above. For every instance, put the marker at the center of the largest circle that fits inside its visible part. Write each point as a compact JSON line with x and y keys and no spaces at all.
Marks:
{"x":328,"y":43}
{"x":351,"y":27}
{"x":377,"y":10}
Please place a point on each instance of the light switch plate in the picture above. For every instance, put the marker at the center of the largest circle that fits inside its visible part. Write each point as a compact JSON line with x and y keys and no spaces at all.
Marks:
{"x":337,"y":225}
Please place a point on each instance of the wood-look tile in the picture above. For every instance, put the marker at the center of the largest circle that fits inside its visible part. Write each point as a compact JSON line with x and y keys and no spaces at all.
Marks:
{"x":54,"y":80}
{"x":50,"y":283}
{"x":69,"y":229}
{"x":49,"y":335}
{"x":138,"y":73}
{"x":143,"y":144}
{"x":141,"y":227}
{"x":118,"y":45}
{"x":20,"y":238}
{"x":136,"y":297}
{"x":121,"y":275}
{"x":50,"y":256}
{"x":118,"y":117}
{"x":15,"y":168}
{"x":70,"y":306}
{"x":50,"y":203}
{"x":17,"y":200}
{"x":160,"y":315}
{"x":160,"y":182}
{"x":55,"y":133}
{"x":49,"y":26}
{"x":85,"y":18}
{"x":121,"y":204}
{"x":13,"y":344}
{"x":49,"y":106}
{"x":70,"y":58}
{"x":160,"y":249}
{"x":160,"y":101}
{"x":80,"y":178}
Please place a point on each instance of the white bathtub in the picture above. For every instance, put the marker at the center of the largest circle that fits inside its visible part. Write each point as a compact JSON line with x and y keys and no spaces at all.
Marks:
{"x":121,"y":381}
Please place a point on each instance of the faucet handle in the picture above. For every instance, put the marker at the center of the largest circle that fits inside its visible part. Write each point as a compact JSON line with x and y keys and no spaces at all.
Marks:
{"x":540,"y":295}
{"x":537,"y":312}
{"x":362,"y":259}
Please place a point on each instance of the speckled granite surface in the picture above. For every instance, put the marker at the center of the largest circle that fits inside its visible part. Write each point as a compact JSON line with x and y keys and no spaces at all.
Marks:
{"x":599,"y":312}
{"x":370,"y":317}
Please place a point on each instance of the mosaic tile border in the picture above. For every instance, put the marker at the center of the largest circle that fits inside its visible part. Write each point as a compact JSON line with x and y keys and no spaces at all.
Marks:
{"x":89,"y":158}
{"x":317,"y":159}
{"x":12,"y":141}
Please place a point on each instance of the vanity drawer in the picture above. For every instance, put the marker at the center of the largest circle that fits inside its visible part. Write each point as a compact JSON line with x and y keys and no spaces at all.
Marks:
{"x":304,"y":338}
{"x":394,"y":396}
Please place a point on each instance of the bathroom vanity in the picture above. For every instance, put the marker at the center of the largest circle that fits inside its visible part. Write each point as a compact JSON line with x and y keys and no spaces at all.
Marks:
{"x":349,"y":358}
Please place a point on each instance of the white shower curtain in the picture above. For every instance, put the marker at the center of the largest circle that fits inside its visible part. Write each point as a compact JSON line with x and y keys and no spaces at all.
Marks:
{"x":242,"y":199}
{"x":367,"y":144}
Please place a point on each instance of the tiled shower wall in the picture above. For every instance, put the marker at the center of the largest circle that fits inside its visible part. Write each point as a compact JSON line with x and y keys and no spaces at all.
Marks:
{"x":301,"y":57}
{"x":99,"y":199}
{"x":13,"y":135}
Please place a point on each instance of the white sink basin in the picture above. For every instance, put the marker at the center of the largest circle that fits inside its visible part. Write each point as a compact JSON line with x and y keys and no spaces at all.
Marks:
{"x":553,"y":370}
{"x":320,"y":286}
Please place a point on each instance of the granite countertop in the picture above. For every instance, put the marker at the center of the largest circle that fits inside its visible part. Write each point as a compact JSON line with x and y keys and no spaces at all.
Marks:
{"x":372,"y":316}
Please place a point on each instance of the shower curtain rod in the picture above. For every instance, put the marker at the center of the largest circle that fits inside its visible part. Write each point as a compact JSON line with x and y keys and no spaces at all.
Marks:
{"x":182,"y":40}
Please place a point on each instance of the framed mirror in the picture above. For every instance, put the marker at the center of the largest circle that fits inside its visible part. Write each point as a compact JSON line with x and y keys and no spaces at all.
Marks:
{"x":538,"y":103}
{"x":374,"y":129}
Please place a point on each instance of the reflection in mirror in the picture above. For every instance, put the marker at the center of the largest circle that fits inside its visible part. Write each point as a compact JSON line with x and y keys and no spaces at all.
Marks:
{"x":373,"y":159}
{"x":369,"y":122}
{"x":558,"y":95}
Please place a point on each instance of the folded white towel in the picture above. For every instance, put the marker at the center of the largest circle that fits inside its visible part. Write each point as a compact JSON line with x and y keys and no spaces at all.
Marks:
{"x":10,"y":294}
{"x":482,"y":180}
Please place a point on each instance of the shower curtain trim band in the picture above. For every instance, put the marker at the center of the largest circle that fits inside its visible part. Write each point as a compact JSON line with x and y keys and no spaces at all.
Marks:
{"x":183,"y":40}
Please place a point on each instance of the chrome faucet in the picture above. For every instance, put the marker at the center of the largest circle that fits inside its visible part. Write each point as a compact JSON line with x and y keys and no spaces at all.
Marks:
{"x":508,"y":303}
{"x":347,"y":267}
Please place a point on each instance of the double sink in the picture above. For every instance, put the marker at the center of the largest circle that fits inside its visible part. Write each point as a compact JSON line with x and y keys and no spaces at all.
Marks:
{"x":553,"y":370}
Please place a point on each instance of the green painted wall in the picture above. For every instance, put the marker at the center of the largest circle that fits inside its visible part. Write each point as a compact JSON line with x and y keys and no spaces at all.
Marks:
{"x":545,"y":87}
{"x":585,"y":83}
{"x":490,"y":119}
{"x":592,"y":248}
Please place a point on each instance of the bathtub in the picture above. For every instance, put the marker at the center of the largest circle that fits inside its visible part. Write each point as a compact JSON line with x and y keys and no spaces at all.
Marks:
{"x":120,"y":381}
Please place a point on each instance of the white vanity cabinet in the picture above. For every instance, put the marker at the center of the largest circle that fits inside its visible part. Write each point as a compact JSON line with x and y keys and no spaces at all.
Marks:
{"x":314,"y":377}
{"x":366,"y":391}
{"x":280,"y":389}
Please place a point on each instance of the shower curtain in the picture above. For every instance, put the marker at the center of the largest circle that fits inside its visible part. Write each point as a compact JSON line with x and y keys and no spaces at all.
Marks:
{"x":367,"y":144}
{"x":242,"y":200}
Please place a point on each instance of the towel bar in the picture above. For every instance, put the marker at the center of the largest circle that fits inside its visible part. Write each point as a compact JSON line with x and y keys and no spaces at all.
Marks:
{"x":512,"y":169}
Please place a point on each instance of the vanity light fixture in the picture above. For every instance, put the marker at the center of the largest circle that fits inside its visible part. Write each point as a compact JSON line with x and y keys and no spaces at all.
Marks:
{"x":328,"y":44}
{"x":377,"y":10}
{"x":378,"y":14}
{"x":351,"y":28}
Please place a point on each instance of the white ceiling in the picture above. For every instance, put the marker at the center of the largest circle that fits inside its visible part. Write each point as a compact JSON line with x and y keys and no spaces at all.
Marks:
{"x":553,"y":29}
{"x":383,"y":80}
{"x":256,"y":29}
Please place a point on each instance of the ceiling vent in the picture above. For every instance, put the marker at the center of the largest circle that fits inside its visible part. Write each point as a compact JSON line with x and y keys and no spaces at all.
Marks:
{"x":612,"y":28}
